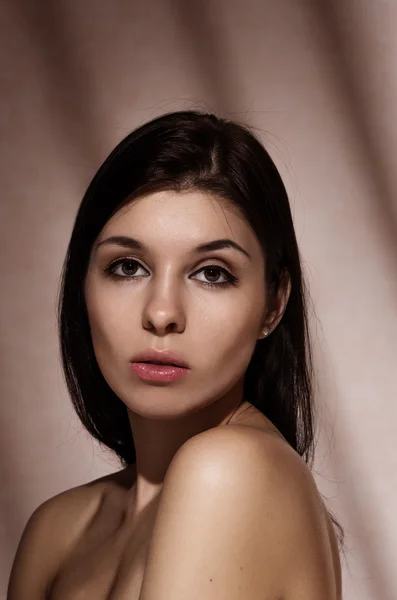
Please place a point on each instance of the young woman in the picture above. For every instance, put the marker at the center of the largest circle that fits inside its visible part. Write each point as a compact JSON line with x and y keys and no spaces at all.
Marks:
{"x":185,"y":348}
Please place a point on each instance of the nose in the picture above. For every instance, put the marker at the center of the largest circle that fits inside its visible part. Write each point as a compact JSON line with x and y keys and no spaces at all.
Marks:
{"x":163,"y":311}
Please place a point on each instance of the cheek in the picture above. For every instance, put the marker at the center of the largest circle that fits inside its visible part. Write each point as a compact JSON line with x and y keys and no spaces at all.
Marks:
{"x":107,"y":320}
{"x":111,"y":334}
{"x":238,"y":345}
{"x":229,"y":337}
{"x":225,"y":361}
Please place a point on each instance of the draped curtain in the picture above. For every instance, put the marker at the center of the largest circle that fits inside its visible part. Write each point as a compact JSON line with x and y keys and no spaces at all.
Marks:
{"x":318,"y":82}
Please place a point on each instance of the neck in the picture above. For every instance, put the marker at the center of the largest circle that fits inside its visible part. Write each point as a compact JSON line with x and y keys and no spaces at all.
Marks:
{"x":156,"y":441}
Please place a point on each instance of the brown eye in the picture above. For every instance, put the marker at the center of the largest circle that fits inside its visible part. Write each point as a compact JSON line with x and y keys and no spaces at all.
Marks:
{"x":212,"y":279}
{"x":214,"y":273}
{"x":127,"y":266}
{"x":127,"y":270}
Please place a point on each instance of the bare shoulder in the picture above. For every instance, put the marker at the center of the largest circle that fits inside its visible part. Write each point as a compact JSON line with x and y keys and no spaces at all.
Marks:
{"x":244,"y":452}
{"x":48,"y":536}
{"x":251,"y":519}
{"x":238,"y":437}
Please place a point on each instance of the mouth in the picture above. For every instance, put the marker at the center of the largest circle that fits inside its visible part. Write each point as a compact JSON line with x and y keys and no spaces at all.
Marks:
{"x":157,"y":362}
{"x":167,"y":358}
{"x":154,"y":371}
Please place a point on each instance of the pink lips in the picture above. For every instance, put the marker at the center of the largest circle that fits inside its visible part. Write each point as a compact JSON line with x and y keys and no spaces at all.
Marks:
{"x":165,"y":356}
{"x":173,"y":366}
{"x":158,"y":373}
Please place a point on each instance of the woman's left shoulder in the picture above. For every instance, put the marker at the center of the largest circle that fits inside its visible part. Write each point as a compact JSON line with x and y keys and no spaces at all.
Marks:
{"x":250,"y":519}
{"x":245,"y":449}
{"x":226,"y":459}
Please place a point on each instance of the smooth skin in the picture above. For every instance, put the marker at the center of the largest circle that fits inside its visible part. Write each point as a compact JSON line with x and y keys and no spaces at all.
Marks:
{"x":239,"y":518}
{"x":237,"y":513}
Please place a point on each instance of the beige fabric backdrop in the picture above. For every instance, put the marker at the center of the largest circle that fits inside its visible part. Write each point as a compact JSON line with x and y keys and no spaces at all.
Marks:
{"x":319,"y":81}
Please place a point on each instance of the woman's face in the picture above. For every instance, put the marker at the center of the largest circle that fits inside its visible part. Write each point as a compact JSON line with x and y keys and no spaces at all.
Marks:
{"x":158,"y":299}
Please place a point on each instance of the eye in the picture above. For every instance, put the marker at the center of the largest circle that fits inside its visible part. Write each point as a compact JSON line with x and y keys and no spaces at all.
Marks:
{"x":214,"y":273}
{"x":129,"y":268}
{"x":110,"y":271}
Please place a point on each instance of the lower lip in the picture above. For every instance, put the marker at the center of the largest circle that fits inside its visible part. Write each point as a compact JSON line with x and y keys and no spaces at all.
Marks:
{"x":162,"y":373}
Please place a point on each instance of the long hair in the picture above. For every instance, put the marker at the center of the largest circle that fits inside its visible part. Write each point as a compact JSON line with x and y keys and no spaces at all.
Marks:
{"x":183,"y":151}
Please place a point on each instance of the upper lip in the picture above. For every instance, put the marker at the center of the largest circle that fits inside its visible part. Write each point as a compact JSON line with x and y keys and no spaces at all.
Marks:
{"x":165,"y":356}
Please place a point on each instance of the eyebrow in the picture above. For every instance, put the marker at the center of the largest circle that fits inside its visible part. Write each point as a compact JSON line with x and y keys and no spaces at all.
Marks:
{"x":133,"y":244}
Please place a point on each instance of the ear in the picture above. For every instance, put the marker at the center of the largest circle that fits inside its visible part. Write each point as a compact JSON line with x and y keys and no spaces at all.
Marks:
{"x":276,"y":306}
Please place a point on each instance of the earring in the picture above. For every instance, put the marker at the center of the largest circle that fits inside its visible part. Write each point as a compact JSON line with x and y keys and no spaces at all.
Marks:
{"x":265,"y":332}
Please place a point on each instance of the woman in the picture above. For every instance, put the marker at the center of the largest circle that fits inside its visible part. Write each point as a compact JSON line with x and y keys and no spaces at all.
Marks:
{"x":185,"y":348}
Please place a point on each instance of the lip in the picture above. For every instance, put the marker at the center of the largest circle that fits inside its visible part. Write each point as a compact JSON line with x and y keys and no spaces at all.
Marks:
{"x":167,"y":357}
{"x":158,"y":373}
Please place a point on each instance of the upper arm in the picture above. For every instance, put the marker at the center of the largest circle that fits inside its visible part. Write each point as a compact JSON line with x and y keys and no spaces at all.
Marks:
{"x":238,"y":517}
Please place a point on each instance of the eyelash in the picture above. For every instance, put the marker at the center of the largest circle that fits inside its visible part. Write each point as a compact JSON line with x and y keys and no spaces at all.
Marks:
{"x":109,"y":272}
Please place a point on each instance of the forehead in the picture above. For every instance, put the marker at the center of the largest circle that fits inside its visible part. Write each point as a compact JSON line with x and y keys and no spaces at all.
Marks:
{"x":181,"y":218}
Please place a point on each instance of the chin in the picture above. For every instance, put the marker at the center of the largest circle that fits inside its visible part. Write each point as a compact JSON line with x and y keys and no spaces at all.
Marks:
{"x":152,"y":406}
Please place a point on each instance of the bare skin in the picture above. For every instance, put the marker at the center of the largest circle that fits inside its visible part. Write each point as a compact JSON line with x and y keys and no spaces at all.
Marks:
{"x":103,"y":529}
{"x":109,"y":552}
{"x":99,"y":551}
